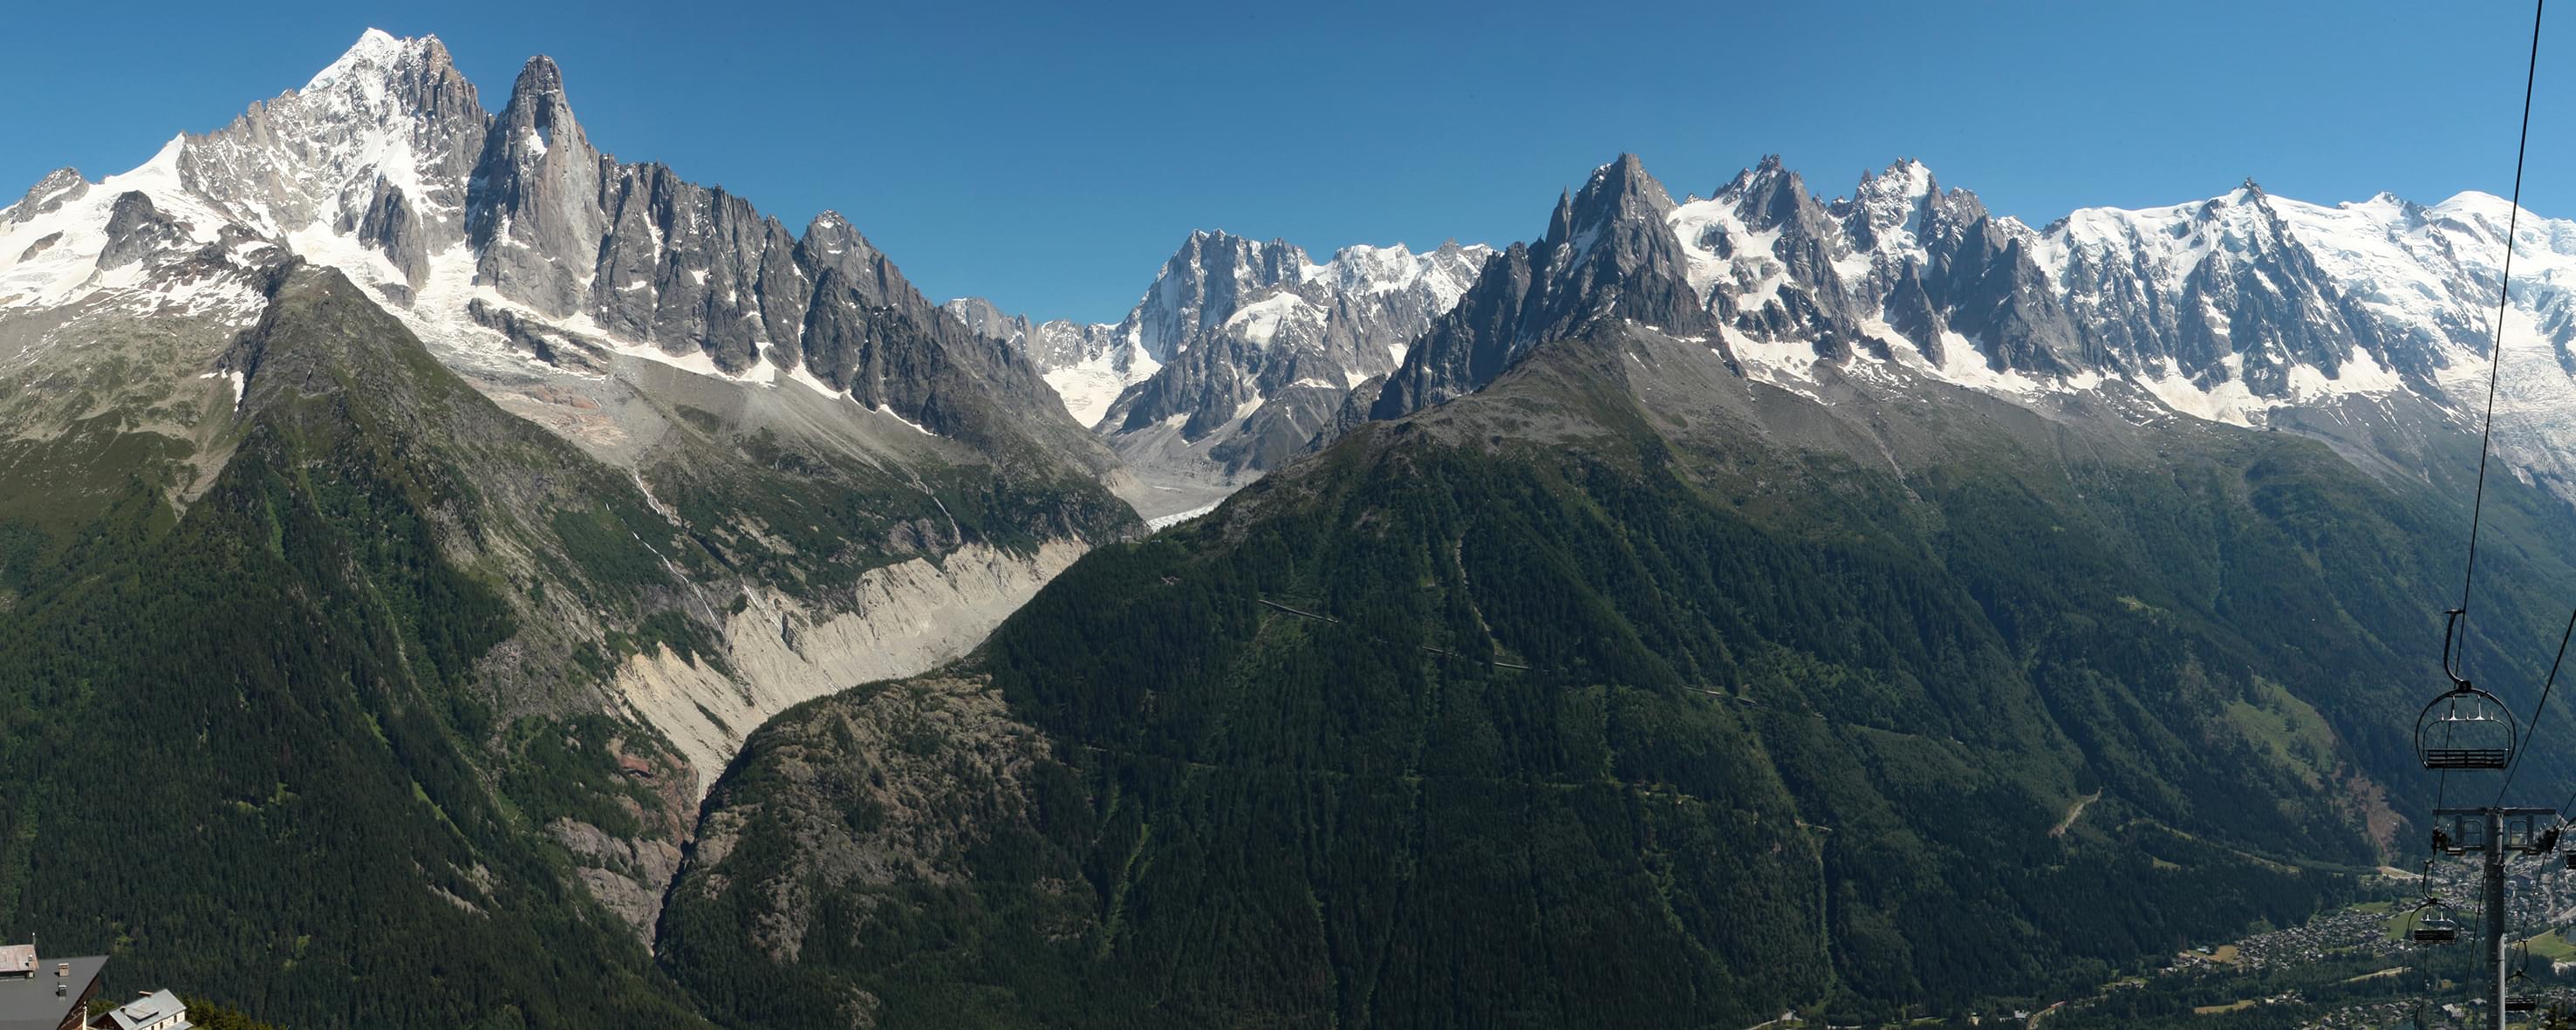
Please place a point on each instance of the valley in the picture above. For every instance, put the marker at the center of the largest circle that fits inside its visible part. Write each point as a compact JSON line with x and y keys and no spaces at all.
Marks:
{"x":1871,"y":608}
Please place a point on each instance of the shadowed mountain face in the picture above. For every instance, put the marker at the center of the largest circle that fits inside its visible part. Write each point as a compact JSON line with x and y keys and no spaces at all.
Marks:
{"x":1601,"y":681}
{"x":1607,"y":255}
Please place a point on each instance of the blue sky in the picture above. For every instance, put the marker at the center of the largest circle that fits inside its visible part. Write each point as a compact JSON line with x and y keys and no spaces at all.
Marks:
{"x":1052,"y":155}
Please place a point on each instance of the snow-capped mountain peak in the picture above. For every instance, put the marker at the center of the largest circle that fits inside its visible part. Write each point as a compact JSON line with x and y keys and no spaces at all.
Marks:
{"x":2229,"y":308}
{"x":364,"y":67}
{"x":2232,"y":308}
{"x":510,"y":243}
{"x":1239,"y":350}
{"x":1887,"y":212}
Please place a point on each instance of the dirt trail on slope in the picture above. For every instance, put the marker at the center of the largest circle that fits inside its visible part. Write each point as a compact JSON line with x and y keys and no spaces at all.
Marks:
{"x":2074,"y":812}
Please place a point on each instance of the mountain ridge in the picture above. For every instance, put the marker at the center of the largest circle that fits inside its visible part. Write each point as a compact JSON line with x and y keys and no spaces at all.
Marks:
{"x":2308,"y":310}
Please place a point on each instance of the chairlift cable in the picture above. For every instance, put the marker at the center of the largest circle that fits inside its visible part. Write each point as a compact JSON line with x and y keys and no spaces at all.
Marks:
{"x":2514,"y":764}
{"x":2504,"y":296}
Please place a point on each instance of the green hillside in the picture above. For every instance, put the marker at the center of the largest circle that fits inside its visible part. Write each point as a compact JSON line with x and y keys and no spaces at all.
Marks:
{"x":1596,"y":715}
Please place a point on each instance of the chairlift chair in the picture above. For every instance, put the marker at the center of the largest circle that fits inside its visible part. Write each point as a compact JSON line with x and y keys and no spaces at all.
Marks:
{"x":2466,"y":729}
{"x":2519,"y":981}
{"x":2432,"y":924}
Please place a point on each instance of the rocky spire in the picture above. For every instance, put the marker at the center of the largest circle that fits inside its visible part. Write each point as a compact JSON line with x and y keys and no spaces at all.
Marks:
{"x":1619,"y":193}
{"x":535,"y":216}
{"x":1609,"y":255}
{"x":1211,"y":275}
{"x":1560,"y":223}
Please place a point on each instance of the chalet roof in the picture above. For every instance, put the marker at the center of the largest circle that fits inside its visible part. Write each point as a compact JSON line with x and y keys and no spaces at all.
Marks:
{"x":29,"y":1002}
{"x":144,"y":1010}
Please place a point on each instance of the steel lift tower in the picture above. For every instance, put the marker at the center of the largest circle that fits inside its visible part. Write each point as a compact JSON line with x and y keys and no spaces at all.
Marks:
{"x":2496,"y":835}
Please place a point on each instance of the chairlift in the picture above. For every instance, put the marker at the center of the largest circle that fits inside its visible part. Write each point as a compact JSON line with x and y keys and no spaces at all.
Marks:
{"x":2520,"y":1002}
{"x":2432,"y":923}
{"x":2465,"y":728}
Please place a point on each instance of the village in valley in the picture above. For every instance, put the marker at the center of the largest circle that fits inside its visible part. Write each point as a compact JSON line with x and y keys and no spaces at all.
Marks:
{"x":2353,"y":967}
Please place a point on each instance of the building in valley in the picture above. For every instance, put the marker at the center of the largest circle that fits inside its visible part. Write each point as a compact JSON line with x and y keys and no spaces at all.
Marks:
{"x":40,"y":994}
{"x":152,"y":1010}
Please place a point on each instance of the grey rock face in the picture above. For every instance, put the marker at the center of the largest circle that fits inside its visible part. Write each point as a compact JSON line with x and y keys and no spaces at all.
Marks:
{"x":1814,"y":305}
{"x":393,"y":226}
{"x":1242,"y":349}
{"x":684,"y":267}
{"x":42,"y":244}
{"x":652,"y":258}
{"x":49,"y":194}
{"x":1054,"y":343}
{"x":2222,"y":292}
{"x":985,"y":320}
{"x":1609,"y":253}
{"x":1473,"y":343}
{"x":2257,"y":298}
{"x":1206,"y":281}
{"x":561,"y":350}
{"x":136,"y":229}
{"x":1100,"y":358}
{"x":391,"y":111}
{"x":1239,"y":324}
{"x":1990,"y":290}
{"x":1910,"y":311}
{"x":1901,"y":263}
{"x":868,"y":331}
{"x":534,"y":215}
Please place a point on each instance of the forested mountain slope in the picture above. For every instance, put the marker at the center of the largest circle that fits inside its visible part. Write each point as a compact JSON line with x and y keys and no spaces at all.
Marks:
{"x":318,"y":744}
{"x":1628,"y":690}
